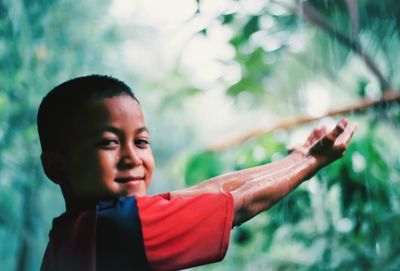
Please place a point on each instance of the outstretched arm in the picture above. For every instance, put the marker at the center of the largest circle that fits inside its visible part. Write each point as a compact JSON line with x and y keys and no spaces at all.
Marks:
{"x":257,"y":189}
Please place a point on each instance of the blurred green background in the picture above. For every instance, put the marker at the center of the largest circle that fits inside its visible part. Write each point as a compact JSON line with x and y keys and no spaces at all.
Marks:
{"x":208,"y":72}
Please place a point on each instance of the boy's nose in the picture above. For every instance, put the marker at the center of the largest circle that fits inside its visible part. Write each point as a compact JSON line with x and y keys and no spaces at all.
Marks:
{"x":129,"y":158}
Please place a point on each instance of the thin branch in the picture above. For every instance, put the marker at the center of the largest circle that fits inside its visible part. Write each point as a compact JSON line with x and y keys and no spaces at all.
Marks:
{"x":364,"y":104}
{"x":309,"y":13}
{"x":353,"y":12}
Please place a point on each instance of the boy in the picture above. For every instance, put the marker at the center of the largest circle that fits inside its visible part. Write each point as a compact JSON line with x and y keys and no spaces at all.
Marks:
{"x":95,"y":145}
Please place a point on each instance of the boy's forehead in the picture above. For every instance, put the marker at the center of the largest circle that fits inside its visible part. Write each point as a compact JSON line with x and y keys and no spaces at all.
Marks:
{"x":99,"y":113}
{"x":116,"y":105}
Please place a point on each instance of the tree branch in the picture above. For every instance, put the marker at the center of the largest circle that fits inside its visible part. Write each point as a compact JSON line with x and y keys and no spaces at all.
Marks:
{"x":353,"y":12}
{"x":364,"y":104}
{"x":308,"y":12}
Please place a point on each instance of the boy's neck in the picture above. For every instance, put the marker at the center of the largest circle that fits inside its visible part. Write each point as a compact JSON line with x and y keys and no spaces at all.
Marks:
{"x":74,"y":204}
{"x":79,"y":206}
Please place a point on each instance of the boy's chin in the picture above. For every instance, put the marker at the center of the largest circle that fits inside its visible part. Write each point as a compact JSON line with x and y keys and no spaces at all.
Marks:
{"x":134,"y":190}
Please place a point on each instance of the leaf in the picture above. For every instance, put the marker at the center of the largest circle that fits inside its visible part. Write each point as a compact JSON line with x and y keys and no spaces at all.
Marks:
{"x":227,"y":18}
{"x":243,"y":235}
{"x":202,"y":166}
{"x":251,"y":26}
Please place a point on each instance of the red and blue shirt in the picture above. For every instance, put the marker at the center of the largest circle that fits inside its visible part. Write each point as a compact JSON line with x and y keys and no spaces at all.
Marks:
{"x":142,"y":233}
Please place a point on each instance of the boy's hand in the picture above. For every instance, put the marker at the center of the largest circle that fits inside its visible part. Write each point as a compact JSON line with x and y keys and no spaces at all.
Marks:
{"x":325,"y":146}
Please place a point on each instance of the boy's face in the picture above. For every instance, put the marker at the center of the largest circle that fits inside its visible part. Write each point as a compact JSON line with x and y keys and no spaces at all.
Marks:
{"x":109,"y":153}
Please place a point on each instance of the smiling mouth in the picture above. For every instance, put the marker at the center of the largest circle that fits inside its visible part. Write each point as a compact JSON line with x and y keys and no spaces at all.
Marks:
{"x":129,"y":179}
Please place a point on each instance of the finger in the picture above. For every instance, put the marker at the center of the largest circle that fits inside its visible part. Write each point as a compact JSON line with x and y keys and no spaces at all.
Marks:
{"x":321,"y":131}
{"x":330,"y":138}
{"x":333,"y":135}
{"x":316,"y":134}
{"x":346,"y":136}
{"x":344,"y":139}
{"x":339,"y":128}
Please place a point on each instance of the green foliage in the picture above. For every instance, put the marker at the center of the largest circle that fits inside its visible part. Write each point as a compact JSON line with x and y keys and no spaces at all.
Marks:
{"x":256,"y":68}
{"x":202,"y":166}
{"x":263,"y":150}
{"x":40,"y":44}
{"x":345,"y":218}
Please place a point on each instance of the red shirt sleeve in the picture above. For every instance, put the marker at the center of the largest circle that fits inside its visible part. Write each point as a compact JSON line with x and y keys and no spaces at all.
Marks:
{"x":185,"y":231}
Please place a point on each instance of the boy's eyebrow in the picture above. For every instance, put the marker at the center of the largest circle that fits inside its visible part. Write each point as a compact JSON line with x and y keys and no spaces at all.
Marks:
{"x":143,"y":129}
{"x":117,"y":130}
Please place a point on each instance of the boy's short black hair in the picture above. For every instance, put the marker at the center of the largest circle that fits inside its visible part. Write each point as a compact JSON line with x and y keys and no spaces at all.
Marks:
{"x":56,"y":111}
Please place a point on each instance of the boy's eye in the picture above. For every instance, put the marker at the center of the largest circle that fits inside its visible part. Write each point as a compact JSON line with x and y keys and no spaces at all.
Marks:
{"x":108,"y":143}
{"x":142,"y":143}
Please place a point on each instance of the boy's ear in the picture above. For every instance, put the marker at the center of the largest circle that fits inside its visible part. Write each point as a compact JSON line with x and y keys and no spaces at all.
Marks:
{"x":52,"y":163}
